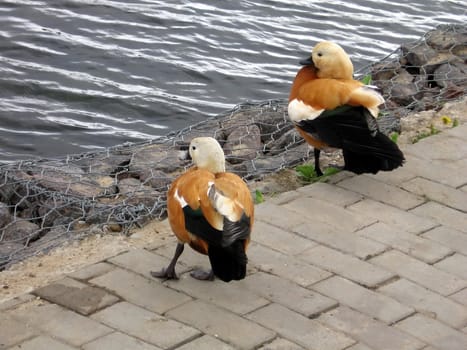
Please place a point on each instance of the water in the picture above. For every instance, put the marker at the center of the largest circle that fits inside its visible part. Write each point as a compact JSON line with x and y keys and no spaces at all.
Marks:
{"x":87,"y":74}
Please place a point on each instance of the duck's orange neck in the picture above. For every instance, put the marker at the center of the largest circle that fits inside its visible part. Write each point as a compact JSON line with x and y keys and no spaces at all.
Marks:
{"x":304,"y":75}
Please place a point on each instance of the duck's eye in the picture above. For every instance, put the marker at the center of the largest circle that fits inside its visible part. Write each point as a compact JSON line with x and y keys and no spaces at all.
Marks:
{"x":193,"y":148}
{"x":320,"y":54}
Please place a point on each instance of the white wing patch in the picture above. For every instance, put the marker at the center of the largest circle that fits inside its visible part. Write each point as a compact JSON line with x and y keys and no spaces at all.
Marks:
{"x":298,"y":110}
{"x":224,"y":205}
{"x":370,"y":91}
{"x":180,"y":199}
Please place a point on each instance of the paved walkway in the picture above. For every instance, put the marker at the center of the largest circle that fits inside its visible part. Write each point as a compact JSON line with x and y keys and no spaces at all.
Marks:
{"x":361,"y":262}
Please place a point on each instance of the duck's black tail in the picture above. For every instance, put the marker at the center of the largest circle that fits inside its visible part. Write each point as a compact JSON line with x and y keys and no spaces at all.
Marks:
{"x":228,"y":263}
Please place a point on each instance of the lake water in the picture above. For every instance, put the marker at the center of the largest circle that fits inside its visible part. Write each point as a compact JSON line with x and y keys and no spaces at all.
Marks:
{"x":83,"y":75}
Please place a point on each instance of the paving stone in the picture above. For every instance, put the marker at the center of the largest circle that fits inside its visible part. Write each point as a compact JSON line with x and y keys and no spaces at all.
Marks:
{"x":281,"y":344}
{"x":118,"y":341}
{"x":222,"y":324}
{"x":360,"y":346}
{"x":460,"y":296}
{"x":455,"y":264}
{"x":442,"y":214}
{"x":142,"y":261}
{"x":284,"y":197}
{"x":286,"y":293}
{"x":285,"y":266}
{"x":382,"y":192}
{"x":436,"y":147}
{"x":148,"y":293}
{"x":231,"y":296}
{"x":275,"y":215}
{"x":42,"y":343}
{"x":449,"y":237}
{"x":61,"y":323}
{"x":76,"y":296}
{"x":321,"y":211}
{"x":92,"y":271}
{"x":365,"y":329}
{"x":437,"y":192}
{"x":189,"y":260}
{"x":363,"y":300}
{"x":300,"y":329}
{"x":434,"y":332}
{"x":427,"y":302}
{"x":330,"y":193}
{"x":346,"y":242}
{"x":206,"y":342}
{"x":390,"y":215}
{"x":347,"y":266}
{"x":14,"y":302}
{"x":146,"y":325}
{"x":397,"y":176}
{"x":448,"y":172}
{"x":408,"y":243}
{"x":13,"y":331}
{"x":459,"y":131}
{"x":419,"y":272}
{"x":279,"y":239}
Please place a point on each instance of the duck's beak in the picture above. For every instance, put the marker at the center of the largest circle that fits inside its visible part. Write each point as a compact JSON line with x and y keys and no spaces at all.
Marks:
{"x":307,"y":62}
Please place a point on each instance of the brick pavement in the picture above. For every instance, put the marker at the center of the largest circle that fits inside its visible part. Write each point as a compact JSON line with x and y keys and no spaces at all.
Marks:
{"x":361,"y":262}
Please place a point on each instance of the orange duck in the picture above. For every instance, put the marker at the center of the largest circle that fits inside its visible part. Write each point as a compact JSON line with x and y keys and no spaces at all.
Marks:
{"x":211,"y":210}
{"x":332,"y":110}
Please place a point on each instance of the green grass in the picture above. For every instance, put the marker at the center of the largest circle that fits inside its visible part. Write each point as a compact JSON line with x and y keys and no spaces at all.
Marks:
{"x":307,"y":173}
{"x":366,"y":79}
{"x":259,"y":197}
{"x":422,"y":135}
{"x":394,"y":137}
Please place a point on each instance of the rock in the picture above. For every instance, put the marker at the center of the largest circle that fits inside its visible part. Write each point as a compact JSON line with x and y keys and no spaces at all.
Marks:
{"x":5,"y":216}
{"x":418,"y":54}
{"x":445,"y":38}
{"x":157,"y":179}
{"x":243,"y":144}
{"x":21,"y":232}
{"x":158,"y":156}
{"x":447,"y":74}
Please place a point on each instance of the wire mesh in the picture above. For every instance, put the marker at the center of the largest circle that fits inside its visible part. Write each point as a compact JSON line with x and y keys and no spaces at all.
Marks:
{"x":48,"y":202}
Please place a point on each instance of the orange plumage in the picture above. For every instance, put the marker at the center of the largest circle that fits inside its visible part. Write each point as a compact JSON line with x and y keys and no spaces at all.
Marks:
{"x":331,"y":109}
{"x":213,"y":212}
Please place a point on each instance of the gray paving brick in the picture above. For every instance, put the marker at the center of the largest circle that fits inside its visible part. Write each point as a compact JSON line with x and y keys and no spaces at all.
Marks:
{"x":286,"y":266}
{"x":61,"y":323}
{"x":92,"y":271}
{"x":284,"y":197}
{"x":278,"y":215}
{"x":443,"y":215}
{"x":300,"y":329}
{"x":206,"y":342}
{"x":436,"y":148}
{"x":14,"y":302}
{"x":393,"y":216}
{"x":188,"y":261}
{"x":76,"y":296}
{"x":455,"y":264}
{"x":324,"y":212}
{"x":360,"y":346}
{"x":365,"y":329}
{"x":408,"y":243}
{"x":447,"y":172}
{"x":437,"y":192}
{"x":449,"y":237}
{"x":363,"y":300}
{"x":346,"y":242}
{"x":118,"y":341}
{"x":231,"y":296}
{"x":13,"y":331}
{"x":284,"y":292}
{"x":397,"y":176}
{"x":279,"y":239}
{"x":347,"y":266}
{"x":330,"y":193}
{"x":148,"y":293}
{"x":281,"y":344}
{"x":222,"y":324}
{"x":459,"y":131}
{"x":42,"y":343}
{"x":420,"y":272}
{"x":434,"y":332}
{"x":142,"y":261}
{"x":460,"y":296}
{"x":382,"y":192}
{"x":427,"y":302}
{"x":146,"y":325}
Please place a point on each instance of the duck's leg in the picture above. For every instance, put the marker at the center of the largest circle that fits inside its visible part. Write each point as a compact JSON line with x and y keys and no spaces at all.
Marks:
{"x":316,"y":152}
{"x":169,"y":271}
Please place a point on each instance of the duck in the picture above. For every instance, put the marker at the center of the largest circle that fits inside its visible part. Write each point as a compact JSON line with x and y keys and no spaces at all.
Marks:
{"x":332,"y":110}
{"x":212,"y":211}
